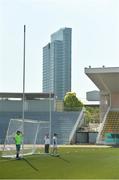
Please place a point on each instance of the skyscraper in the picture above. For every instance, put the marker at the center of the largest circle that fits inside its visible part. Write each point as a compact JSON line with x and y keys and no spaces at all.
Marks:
{"x":57,"y":63}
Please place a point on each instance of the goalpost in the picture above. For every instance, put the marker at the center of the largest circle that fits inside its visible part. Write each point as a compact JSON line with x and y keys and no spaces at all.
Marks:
{"x":33,"y":131}
{"x":33,"y":136}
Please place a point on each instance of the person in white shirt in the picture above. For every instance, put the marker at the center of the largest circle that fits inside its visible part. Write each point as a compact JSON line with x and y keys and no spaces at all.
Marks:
{"x":47,"y":143}
{"x":54,"y":151}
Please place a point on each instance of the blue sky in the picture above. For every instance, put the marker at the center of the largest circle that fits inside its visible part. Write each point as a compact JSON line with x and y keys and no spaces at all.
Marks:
{"x":95,"y":39}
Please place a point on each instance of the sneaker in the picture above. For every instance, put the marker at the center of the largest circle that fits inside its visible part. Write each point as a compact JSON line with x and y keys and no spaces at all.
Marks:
{"x":18,"y":158}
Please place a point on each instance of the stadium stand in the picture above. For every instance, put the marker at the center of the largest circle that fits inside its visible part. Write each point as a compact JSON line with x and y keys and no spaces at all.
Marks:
{"x":112,"y":123}
{"x":62,"y":123}
{"x":106,"y":79}
{"x":110,"y":131}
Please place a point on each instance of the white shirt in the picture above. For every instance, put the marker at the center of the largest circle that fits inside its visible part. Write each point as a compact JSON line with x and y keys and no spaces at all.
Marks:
{"x":54,"y":141}
{"x":47,"y":140}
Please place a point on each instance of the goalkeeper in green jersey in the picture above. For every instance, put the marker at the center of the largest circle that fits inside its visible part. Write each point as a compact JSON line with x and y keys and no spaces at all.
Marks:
{"x":18,"y":141}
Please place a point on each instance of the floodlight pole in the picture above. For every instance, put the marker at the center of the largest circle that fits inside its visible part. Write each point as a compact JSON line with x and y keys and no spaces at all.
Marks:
{"x":23,"y":98}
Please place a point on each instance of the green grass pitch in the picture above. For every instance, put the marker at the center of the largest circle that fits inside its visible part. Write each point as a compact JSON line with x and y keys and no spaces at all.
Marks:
{"x":73,"y":163}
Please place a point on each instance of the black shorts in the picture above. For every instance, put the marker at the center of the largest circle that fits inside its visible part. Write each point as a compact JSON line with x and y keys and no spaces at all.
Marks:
{"x":18,"y":146}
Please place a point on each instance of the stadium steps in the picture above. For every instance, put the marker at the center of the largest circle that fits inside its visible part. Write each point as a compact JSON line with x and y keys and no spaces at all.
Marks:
{"x":111,"y":124}
{"x":62,"y":123}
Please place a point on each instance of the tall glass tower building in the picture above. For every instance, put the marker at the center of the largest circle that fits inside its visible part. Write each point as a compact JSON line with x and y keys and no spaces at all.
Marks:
{"x":57,"y":63}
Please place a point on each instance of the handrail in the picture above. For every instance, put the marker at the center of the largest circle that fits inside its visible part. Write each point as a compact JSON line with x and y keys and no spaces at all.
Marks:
{"x":76,"y":124}
{"x":101,"y":126}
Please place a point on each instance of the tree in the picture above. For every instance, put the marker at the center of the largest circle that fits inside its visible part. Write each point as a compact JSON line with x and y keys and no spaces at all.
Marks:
{"x":71,"y":102}
{"x":92,"y":115}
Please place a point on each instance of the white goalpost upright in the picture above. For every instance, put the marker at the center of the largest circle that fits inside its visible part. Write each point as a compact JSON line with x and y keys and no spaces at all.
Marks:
{"x":23,"y":97}
{"x":34,"y":132}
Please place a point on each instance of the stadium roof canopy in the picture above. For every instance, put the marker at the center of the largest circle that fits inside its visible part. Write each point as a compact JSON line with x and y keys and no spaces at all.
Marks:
{"x":105,"y":78}
{"x":28,"y":96}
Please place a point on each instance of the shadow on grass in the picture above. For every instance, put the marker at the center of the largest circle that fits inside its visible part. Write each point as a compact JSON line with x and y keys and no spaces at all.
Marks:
{"x":115,"y":146}
{"x":31,"y":165}
{"x":65,"y":160}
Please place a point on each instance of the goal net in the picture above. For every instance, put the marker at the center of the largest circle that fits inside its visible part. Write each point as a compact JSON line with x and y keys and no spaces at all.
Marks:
{"x":33,"y":137}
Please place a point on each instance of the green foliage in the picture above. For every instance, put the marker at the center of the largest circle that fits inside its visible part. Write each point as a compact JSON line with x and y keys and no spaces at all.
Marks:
{"x":92,"y":115}
{"x":71,"y":102}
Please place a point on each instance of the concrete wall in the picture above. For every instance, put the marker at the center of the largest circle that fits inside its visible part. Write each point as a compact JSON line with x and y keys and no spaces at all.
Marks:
{"x":115,"y":100}
{"x":30,"y":105}
{"x":9,"y":106}
{"x":59,"y":106}
{"x":93,"y":96}
{"x":86,"y":137}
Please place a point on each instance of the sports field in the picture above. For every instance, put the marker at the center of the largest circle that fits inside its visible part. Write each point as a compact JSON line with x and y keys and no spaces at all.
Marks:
{"x":73,"y":163}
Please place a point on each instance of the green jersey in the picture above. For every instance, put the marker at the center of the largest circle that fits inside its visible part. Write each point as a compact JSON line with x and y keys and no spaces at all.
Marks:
{"x":18,"y":138}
